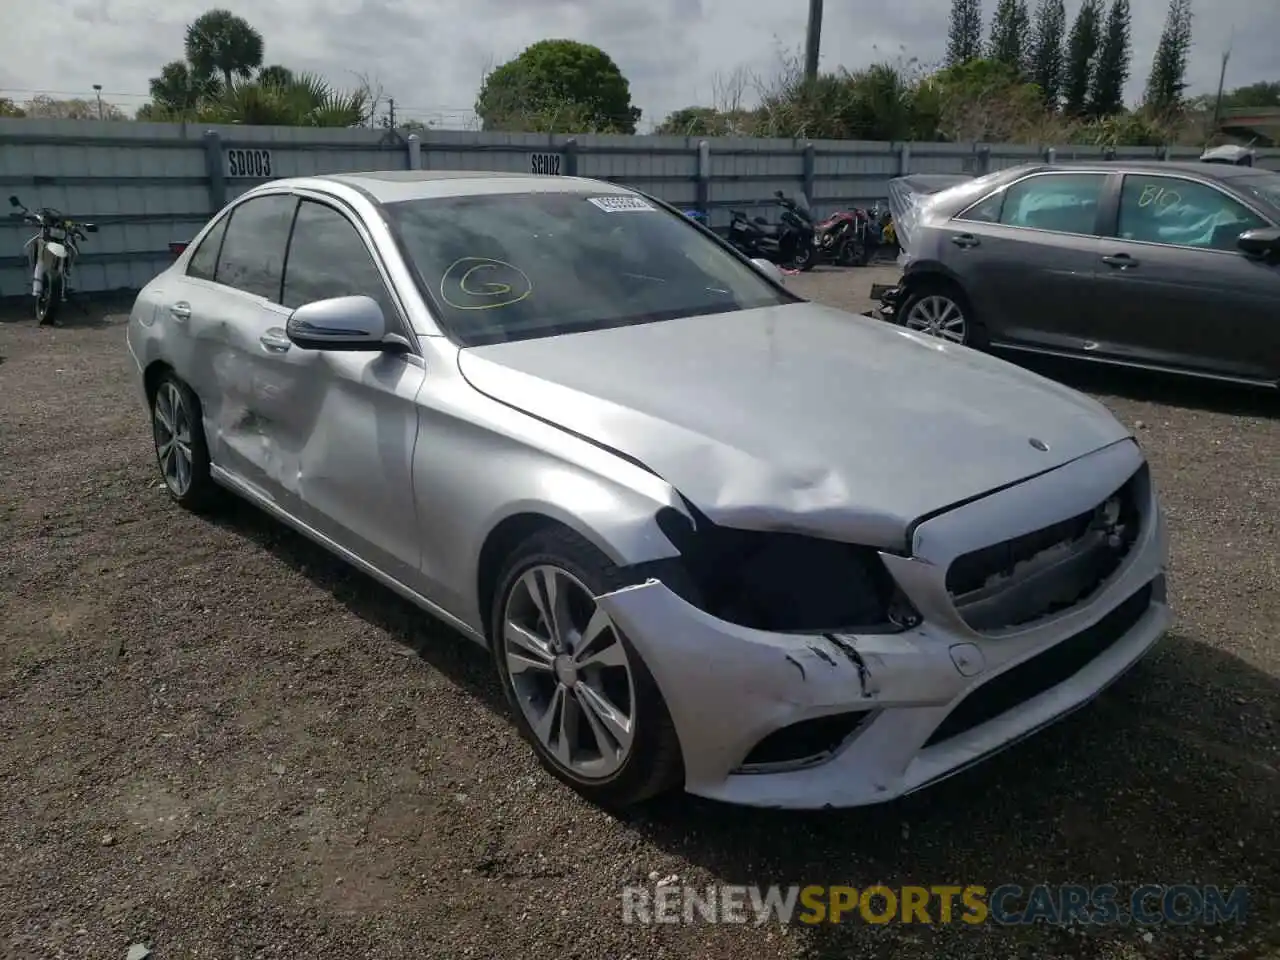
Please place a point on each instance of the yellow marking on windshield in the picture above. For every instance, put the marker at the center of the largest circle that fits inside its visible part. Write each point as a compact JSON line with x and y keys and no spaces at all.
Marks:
{"x":496,"y":292}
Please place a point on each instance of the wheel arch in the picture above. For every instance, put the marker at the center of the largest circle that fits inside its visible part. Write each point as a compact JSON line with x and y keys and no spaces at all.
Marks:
{"x":152,"y":376}
{"x":526,"y":520}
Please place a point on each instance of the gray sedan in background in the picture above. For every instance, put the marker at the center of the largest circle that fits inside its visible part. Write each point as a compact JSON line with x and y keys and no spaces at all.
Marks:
{"x":1167,"y":266}
{"x":714,"y":536}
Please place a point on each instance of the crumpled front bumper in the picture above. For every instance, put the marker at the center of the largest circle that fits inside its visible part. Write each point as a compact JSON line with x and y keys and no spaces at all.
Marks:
{"x":727,"y":686}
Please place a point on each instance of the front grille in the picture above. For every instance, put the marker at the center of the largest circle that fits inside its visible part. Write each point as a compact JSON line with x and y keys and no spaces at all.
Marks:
{"x":1043,"y":671}
{"x":1048,"y":570}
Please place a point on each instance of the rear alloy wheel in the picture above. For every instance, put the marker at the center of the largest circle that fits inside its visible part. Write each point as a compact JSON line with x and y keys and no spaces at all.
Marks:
{"x":582,"y":696}
{"x":937,"y":314}
{"x":181,"y":450}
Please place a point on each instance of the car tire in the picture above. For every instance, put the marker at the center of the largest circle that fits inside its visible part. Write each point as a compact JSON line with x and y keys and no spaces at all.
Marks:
{"x":931,"y":306}
{"x":177,"y":428}
{"x":651,"y":762}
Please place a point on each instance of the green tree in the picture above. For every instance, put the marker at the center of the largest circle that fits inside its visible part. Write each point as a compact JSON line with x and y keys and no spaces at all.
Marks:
{"x":10,"y":109}
{"x":986,"y":101}
{"x":1046,"y":66}
{"x":964,"y":36}
{"x":1082,"y":54}
{"x":275,"y":76}
{"x":694,"y":122}
{"x":179,"y":90}
{"x":75,"y":108}
{"x":1262,"y":94}
{"x":1007,"y":42}
{"x":1167,"y":79}
{"x":220,"y":42}
{"x":1111,"y":71}
{"x":560,"y":85}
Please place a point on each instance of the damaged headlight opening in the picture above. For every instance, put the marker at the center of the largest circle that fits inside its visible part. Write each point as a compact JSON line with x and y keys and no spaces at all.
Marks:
{"x":781,"y":582}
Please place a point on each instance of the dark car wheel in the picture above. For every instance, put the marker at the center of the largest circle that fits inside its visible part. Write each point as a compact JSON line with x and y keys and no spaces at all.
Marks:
{"x":580,"y":693}
{"x":941,"y":310}
{"x":181,"y":450}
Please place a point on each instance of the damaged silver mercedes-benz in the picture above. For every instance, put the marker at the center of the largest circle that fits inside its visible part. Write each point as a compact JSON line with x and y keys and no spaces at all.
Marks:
{"x":716,"y":537}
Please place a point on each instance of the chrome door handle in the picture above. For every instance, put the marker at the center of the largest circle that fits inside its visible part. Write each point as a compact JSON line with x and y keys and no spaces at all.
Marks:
{"x":181,"y":311}
{"x":965,"y":240}
{"x":275,"y":340}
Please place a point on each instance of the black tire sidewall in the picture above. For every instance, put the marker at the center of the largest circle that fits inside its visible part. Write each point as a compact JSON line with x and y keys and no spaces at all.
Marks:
{"x":650,"y":768}
{"x":51,"y":292}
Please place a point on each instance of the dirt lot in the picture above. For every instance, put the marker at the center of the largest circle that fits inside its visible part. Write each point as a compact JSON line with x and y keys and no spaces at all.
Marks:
{"x":222,"y":743}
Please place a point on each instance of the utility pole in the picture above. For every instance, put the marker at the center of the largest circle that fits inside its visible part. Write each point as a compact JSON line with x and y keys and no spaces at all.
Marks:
{"x":97,"y":89}
{"x":813,"y":41}
{"x":1222,"y":81}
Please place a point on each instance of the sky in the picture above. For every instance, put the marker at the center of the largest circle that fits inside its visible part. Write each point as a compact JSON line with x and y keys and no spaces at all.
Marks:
{"x":430,"y":55}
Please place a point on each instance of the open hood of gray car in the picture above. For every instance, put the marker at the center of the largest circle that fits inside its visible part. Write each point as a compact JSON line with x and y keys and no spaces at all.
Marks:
{"x":800,"y":418}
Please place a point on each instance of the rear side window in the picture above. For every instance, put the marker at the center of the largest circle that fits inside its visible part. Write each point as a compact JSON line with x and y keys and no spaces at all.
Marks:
{"x":328,"y":258}
{"x":204,"y":260}
{"x":252,"y":257}
{"x":1060,"y":202}
{"x":1182,"y":213}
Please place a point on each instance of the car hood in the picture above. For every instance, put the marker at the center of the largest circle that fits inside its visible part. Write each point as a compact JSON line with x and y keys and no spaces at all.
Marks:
{"x":799,"y":418}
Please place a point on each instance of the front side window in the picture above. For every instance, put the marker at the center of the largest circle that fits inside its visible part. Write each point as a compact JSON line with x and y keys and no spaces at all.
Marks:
{"x":1060,"y":202}
{"x":252,"y":257}
{"x":204,"y":259}
{"x":514,"y":266}
{"x":328,"y":258}
{"x":1182,"y":213}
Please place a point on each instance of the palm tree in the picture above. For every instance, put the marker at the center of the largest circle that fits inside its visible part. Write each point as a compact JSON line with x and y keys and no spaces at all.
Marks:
{"x":220,"y":42}
{"x":179,"y":90}
{"x":305,"y":100}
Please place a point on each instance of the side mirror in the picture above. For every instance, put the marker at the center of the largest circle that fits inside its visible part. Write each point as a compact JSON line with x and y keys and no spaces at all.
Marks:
{"x":770,"y":270}
{"x":1263,"y":242}
{"x":14,"y":201}
{"x":340,"y":323}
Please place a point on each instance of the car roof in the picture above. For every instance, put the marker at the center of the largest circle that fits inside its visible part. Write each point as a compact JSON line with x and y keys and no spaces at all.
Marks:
{"x":1211,"y":171}
{"x":392,"y":186}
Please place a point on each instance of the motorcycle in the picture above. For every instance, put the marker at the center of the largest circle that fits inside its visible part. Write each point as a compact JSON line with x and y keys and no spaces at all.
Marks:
{"x":788,"y":243}
{"x":844,"y":238}
{"x":51,"y":254}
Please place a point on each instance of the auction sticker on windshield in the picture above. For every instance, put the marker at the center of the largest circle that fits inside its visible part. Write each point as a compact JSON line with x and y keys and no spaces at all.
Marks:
{"x":620,"y":204}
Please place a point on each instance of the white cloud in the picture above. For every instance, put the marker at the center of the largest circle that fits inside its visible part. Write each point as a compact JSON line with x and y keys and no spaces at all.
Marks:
{"x":430,"y":54}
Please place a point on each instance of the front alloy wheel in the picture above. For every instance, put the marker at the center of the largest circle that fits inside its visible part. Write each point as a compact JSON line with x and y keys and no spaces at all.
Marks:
{"x":582,"y":695}
{"x":570,"y":673}
{"x":938,"y":315}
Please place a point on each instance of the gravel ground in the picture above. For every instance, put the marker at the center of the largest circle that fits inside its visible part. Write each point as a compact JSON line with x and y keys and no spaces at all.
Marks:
{"x":222,"y":743}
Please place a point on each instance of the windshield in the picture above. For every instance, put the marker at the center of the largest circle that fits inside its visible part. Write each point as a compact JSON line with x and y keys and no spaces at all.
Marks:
{"x":504,"y":267}
{"x":1264,"y":186}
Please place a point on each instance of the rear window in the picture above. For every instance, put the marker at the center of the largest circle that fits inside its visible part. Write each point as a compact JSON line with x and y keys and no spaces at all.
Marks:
{"x":504,"y":267}
{"x":1264,"y":187}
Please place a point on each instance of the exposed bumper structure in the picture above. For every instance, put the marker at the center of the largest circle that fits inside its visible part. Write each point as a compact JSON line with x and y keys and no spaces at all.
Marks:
{"x":926,"y":702}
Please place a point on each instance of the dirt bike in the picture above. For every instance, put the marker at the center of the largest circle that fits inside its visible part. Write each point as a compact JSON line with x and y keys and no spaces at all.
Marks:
{"x":51,"y":254}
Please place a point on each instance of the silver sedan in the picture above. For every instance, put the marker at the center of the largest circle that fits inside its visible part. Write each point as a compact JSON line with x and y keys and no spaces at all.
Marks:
{"x":715,"y":537}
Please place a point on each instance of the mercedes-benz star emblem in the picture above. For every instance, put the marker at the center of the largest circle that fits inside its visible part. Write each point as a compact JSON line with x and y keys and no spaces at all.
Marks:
{"x":1038,"y":444}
